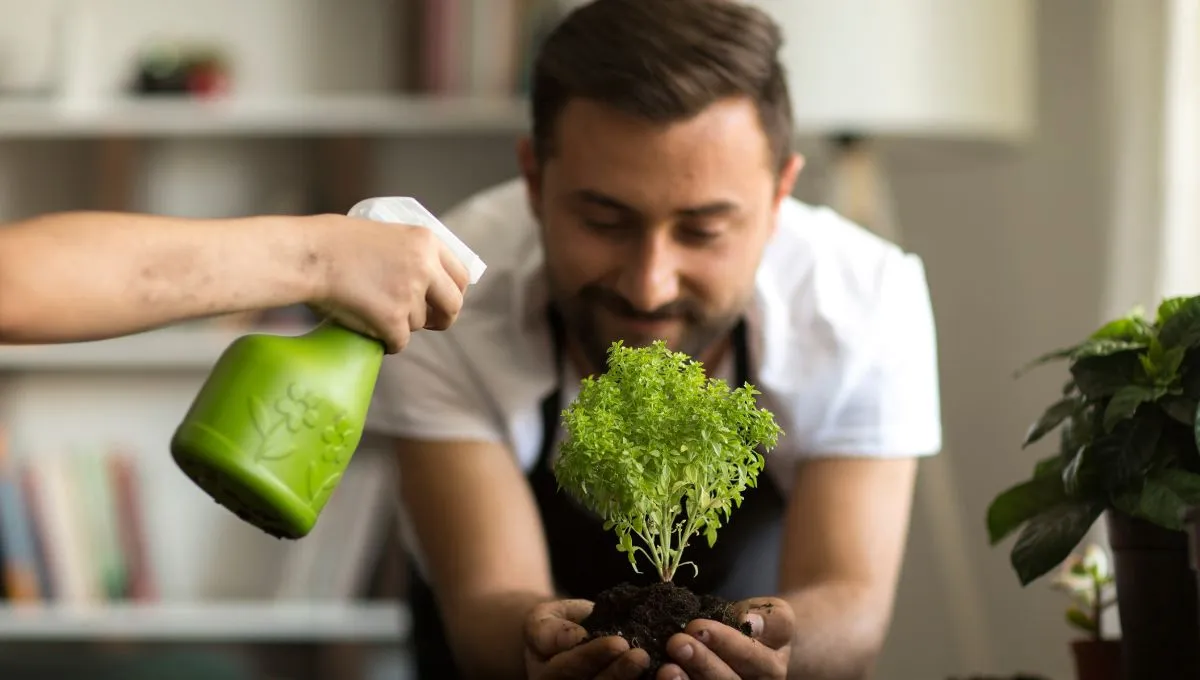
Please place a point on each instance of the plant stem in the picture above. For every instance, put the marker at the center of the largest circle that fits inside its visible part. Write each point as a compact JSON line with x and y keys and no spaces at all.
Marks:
{"x":1097,"y":610}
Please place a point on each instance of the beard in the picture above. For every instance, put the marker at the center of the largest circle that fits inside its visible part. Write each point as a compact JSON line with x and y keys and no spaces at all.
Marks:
{"x":582,"y":314}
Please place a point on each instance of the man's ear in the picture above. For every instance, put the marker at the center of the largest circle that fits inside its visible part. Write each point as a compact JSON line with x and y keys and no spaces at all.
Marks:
{"x":531,"y":171}
{"x":787,"y":178}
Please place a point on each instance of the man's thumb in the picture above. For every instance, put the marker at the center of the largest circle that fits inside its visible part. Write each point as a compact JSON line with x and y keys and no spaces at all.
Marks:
{"x":572,"y":610}
{"x":771,"y":620}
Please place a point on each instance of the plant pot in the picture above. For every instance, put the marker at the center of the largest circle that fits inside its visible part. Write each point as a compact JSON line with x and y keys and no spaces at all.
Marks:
{"x":1158,"y":600}
{"x":1097,"y":659}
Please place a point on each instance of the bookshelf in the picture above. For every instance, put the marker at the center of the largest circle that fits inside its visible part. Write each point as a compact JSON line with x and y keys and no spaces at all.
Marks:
{"x":369,"y":114}
{"x":210,"y":622}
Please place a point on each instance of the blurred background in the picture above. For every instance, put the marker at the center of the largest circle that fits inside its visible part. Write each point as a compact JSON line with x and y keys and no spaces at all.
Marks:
{"x":1040,"y":156}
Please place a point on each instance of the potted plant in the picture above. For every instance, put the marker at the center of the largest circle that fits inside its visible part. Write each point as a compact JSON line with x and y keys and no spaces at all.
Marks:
{"x":662,"y":454}
{"x":1127,"y":421}
{"x":1087,"y":579}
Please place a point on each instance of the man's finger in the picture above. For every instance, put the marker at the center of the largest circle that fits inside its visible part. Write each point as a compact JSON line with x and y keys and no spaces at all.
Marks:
{"x":553,"y":627}
{"x":747,"y":657}
{"x":629,"y":666}
{"x":771,"y":620}
{"x":587,"y":660}
{"x":571,"y":610}
{"x":700,"y":662}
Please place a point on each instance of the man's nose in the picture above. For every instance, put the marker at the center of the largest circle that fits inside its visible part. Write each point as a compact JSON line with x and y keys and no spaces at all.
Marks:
{"x":650,"y":278}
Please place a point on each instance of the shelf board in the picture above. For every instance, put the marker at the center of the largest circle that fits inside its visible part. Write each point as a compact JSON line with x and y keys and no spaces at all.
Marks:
{"x":385,"y":622}
{"x":316,"y":115}
{"x":182,"y":348}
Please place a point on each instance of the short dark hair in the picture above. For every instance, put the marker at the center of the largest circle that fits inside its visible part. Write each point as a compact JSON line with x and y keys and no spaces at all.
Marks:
{"x":663,"y":61}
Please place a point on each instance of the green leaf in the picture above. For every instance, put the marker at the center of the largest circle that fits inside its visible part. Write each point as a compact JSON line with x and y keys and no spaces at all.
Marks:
{"x":1054,"y":355}
{"x":1051,"y":465}
{"x":1050,"y":419}
{"x":1114,"y":460}
{"x":1104,"y":348}
{"x":1189,"y":374}
{"x":1131,"y":328}
{"x":1166,"y":495}
{"x":1020,"y":503}
{"x":1180,"y":409}
{"x":1103,"y":375}
{"x":1168,"y":308}
{"x":1181,"y":325}
{"x":1126,"y":401}
{"x":1082,"y":621}
{"x":1073,"y":471}
{"x":1050,"y":537}
{"x":1196,"y":427}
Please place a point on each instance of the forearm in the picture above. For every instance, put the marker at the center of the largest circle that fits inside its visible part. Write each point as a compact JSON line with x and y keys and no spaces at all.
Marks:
{"x":87,"y":275}
{"x":839,"y":630}
{"x":488,"y":633}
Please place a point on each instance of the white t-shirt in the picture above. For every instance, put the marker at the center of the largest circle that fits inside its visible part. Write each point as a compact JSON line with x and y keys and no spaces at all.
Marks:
{"x":841,"y":338}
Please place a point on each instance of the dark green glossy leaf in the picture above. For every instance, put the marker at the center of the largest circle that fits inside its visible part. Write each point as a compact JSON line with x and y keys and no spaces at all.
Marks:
{"x":1181,"y":328}
{"x":1050,"y":537}
{"x":1189,"y":375}
{"x":1072,"y":479}
{"x":1196,"y":427}
{"x":1050,"y":419}
{"x":1102,"y":376}
{"x":1051,"y":356}
{"x":1020,"y":503}
{"x":1126,"y":401}
{"x":1166,"y":495}
{"x":1051,"y":465}
{"x":1180,"y":409}
{"x":1114,"y":460}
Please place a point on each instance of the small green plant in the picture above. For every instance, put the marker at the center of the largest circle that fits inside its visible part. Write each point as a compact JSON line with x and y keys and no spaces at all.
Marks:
{"x":1087,"y":578}
{"x":1127,"y":438}
{"x":654,"y":435}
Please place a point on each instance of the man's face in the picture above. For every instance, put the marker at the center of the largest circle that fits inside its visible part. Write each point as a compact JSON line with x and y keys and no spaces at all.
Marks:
{"x":655,"y":231}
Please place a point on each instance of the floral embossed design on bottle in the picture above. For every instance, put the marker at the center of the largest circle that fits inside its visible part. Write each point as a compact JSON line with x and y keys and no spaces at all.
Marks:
{"x":277,"y":422}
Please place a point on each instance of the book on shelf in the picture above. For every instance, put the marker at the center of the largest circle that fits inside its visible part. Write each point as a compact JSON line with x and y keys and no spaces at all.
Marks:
{"x":72,"y":532}
{"x":71,"y":529}
{"x":476,"y":47}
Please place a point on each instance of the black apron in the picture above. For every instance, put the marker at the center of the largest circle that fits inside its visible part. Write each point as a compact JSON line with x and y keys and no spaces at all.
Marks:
{"x":583,"y":556}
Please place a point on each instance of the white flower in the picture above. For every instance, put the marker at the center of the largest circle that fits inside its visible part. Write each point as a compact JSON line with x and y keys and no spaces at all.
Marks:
{"x":1082,"y":575}
{"x":1096,"y":561}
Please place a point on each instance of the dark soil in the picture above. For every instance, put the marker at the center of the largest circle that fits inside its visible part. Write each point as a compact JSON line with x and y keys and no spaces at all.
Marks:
{"x":648,"y":616}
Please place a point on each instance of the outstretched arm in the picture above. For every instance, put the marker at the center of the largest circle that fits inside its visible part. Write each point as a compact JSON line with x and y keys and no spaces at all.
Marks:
{"x":844,"y":538}
{"x":88,"y":275}
{"x":846,"y":532}
{"x":69,"y":277}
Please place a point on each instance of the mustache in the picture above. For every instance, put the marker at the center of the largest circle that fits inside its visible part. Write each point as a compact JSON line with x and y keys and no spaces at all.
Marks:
{"x":621,"y":306}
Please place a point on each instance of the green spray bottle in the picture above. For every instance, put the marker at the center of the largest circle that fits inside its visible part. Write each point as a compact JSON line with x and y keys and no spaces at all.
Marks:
{"x":276,"y":422}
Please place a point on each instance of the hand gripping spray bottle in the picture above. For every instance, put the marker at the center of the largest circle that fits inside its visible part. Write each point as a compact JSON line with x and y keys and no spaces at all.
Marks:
{"x":277,"y":420}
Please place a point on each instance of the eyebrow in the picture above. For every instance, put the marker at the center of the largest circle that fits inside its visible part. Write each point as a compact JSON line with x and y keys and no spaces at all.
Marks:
{"x":606,"y":201}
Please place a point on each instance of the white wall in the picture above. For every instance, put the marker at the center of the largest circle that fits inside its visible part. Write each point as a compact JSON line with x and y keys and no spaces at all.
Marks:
{"x":1016,"y":243}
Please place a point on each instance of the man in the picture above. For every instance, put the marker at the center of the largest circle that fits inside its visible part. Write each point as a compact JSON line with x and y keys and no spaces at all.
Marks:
{"x":655,"y":202}
{"x":71,"y":277}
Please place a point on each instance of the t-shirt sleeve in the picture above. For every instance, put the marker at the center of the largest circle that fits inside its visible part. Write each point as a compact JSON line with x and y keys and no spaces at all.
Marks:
{"x":427,"y":391}
{"x":890,"y":405}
